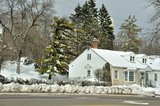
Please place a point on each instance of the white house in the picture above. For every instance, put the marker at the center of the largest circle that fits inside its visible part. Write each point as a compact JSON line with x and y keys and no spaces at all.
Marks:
{"x":126,"y":67}
{"x":154,"y":75}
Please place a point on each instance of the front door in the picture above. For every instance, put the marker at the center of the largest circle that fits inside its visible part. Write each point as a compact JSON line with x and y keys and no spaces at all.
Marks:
{"x":142,"y":78}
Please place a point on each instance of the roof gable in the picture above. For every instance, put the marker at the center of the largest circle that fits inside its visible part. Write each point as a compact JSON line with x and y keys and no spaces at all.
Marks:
{"x":88,"y":66}
{"x":116,"y":58}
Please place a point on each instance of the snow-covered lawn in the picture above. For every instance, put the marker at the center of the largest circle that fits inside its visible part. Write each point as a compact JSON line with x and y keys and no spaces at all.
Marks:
{"x":28,"y":72}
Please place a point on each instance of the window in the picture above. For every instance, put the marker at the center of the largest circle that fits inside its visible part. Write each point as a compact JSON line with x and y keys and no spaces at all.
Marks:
{"x":88,"y":56}
{"x":147,"y":77}
{"x":155,"y":77}
{"x":88,"y":73}
{"x":144,"y":60}
{"x":126,"y":75}
{"x":131,"y":58}
{"x":116,"y":74}
{"x":129,"y":76}
{"x":142,"y":76}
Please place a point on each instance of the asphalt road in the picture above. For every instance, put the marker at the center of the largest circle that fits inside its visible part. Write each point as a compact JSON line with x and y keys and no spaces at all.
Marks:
{"x":76,"y":100}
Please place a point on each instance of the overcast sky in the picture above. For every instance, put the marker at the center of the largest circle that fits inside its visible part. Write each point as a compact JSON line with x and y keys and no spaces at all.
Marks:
{"x":119,"y":10}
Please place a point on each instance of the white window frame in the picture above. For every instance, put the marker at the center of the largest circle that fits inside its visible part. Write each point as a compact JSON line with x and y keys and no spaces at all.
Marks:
{"x":116,"y":74}
{"x":130,"y":75}
{"x":144,"y":60}
{"x":132,"y":58}
{"x":127,"y":78}
{"x":155,"y":77}
{"x":147,"y":76}
{"x":88,"y":73}
{"x":88,"y":56}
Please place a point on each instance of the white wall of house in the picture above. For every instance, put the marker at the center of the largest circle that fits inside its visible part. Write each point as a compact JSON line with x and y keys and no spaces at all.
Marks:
{"x":154,"y":78}
{"x":80,"y":66}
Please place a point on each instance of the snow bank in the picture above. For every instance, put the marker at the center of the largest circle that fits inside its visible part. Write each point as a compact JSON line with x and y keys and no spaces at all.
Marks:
{"x":76,"y":89}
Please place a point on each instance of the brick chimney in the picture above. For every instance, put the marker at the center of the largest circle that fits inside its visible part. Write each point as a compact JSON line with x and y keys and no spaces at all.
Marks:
{"x":95,"y":43}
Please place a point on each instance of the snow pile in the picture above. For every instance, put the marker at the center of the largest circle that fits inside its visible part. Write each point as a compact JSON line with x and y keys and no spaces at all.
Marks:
{"x":76,"y":89}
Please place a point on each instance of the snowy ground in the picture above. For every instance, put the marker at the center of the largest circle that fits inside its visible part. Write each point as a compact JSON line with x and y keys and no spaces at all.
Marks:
{"x":27,"y":72}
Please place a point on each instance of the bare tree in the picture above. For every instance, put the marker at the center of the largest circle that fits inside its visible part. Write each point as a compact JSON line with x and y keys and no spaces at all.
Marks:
{"x":151,"y":44}
{"x":151,"y":41}
{"x":19,"y":18}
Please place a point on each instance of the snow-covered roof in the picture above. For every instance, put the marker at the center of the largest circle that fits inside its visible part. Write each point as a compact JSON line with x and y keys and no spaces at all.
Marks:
{"x":118,"y":58}
{"x":140,"y":55}
{"x":155,"y":64}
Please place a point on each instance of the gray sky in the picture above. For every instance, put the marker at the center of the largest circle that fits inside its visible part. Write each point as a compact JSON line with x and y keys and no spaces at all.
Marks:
{"x":119,"y":10}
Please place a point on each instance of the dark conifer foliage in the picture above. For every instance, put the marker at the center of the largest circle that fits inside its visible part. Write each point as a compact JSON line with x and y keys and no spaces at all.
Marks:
{"x":93,"y":23}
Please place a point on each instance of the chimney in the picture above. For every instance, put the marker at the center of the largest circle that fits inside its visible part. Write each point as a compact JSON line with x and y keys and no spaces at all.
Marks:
{"x":95,"y":43}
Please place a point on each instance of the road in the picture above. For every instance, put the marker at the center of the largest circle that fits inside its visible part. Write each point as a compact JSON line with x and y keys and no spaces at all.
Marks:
{"x":76,"y":100}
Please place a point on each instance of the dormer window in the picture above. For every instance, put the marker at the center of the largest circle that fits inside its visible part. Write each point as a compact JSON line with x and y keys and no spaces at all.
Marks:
{"x":144,"y":60}
{"x":132,"y":58}
{"x":88,"y":56}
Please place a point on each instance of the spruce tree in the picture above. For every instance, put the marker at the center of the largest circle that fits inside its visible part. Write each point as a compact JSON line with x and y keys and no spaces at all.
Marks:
{"x":129,"y":35}
{"x":106,"y":29}
{"x":92,"y":23}
{"x":59,"y":53}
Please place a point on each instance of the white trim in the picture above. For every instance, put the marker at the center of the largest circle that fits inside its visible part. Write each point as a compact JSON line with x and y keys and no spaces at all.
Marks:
{"x":88,"y":66}
{"x":129,"y":75}
{"x":117,"y":75}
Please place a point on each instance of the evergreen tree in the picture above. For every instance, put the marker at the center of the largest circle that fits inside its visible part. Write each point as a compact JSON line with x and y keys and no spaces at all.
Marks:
{"x":89,"y":21}
{"x":128,"y":35}
{"x":106,"y":29}
{"x":104,"y":74}
{"x":59,"y":53}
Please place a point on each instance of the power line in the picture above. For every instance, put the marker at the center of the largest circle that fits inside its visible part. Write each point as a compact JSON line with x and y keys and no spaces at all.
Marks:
{"x":74,"y":2}
{"x":65,"y":4}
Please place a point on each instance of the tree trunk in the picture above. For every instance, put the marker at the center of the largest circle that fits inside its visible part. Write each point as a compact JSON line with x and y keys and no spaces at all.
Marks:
{"x":50,"y":76}
{"x":18,"y":64}
{"x":19,"y":61}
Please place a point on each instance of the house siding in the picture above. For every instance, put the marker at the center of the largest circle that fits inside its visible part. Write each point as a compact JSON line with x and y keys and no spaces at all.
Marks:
{"x":121,"y":80}
{"x":78,"y":68}
{"x":152,"y":81}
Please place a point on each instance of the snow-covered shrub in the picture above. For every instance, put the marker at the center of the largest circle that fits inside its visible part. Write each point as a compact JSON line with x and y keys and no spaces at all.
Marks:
{"x":6,"y":88}
{"x":55,"y":88}
{"x":20,"y":81}
{"x":36,"y":88}
{"x":135,"y":89}
{"x":2,"y":78}
{"x":76,"y":89}
{"x":15,"y":87}
{"x":27,"y":61}
{"x":68,"y":88}
{"x":45,"y":88}
{"x":24,"y":88}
